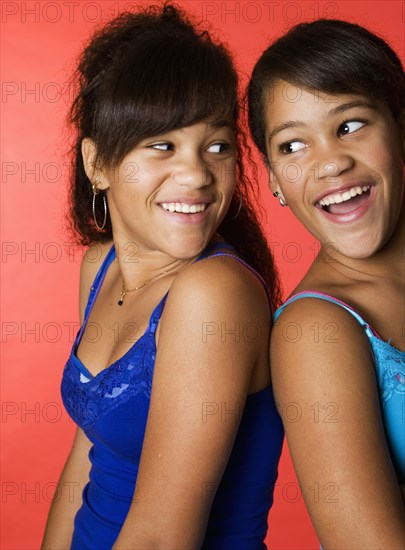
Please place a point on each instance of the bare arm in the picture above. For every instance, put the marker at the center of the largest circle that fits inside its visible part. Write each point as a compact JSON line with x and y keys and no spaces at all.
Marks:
{"x":185,"y":451}
{"x":326,"y":391}
{"x":68,"y":494}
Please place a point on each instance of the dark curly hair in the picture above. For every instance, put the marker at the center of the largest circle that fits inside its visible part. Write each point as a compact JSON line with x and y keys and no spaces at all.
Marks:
{"x":330,"y":56}
{"x":144,"y":74}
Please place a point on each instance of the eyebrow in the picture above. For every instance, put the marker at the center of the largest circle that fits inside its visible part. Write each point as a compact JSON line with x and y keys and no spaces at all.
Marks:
{"x":223,"y":122}
{"x":351,"y":105}
{"x":285,"y":126}
{"x":333,"y":112}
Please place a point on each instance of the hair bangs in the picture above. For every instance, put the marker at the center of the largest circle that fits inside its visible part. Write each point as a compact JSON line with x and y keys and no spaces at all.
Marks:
{"x":341,"y":76}
{"x":332,"y":57}
{"x":163,"y":85}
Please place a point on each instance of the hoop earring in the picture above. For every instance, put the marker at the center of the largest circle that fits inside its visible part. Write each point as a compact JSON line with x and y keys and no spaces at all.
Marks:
{"x":239,"y":209}
{"x":281,"y":199}
{"x":96,"y":191}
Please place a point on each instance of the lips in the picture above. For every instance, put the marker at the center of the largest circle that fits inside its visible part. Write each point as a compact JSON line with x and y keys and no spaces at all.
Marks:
{"x":346,"y":204}
{"x":344,"y":201}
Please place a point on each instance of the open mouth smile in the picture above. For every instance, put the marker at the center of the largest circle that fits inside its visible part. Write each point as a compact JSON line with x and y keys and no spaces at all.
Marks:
{"x":183,"y":208}
{"x":345,"y":202}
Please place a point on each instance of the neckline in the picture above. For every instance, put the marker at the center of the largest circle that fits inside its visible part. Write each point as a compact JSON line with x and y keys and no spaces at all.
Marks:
{"x":381,"y":341}
{"x":153,"y":319}
{"x":148,"y":331}
{"x":94,"y":292}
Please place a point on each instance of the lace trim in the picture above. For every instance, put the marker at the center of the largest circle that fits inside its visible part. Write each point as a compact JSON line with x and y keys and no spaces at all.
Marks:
{"x":390,"y":367}
{"x":87,"y":401}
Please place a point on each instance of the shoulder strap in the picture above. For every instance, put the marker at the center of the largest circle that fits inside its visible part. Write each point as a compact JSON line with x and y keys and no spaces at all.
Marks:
{"x":156,"y":314}
{"x":212,"y":250}
{"x":320,"y":295}
{"x":98,"y":279}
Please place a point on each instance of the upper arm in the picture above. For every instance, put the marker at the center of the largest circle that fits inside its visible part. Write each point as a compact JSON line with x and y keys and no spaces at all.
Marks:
{"x":81,"y":444}
{"x":76,"y":471}
{"x":326,"y":392}
{"x":201,"y":378}
{"x":78,"y":463}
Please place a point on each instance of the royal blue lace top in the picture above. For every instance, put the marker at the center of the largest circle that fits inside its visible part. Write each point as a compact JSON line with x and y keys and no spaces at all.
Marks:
{"x":112,"y":409}
{"x":390,"y":369}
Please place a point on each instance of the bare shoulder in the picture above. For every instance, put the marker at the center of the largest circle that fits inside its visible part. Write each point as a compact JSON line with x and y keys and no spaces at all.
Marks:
{"x":222,"y":283}
{"x":217,"y":306}
{"x":320,"y":321}
{"x":318,"y":347}
{"x":90,"y":264}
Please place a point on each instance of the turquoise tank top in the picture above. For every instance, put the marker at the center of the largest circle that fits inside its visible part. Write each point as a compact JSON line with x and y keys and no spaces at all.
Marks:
{"x":112,"y":409}
{"x":390,"y":369}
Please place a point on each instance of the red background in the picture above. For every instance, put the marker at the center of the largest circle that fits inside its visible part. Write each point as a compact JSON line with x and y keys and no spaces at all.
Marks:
{"x":40,"y":268}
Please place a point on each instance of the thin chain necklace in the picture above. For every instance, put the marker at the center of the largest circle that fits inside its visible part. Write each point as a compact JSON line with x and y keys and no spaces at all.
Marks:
{"x":125,"y":291}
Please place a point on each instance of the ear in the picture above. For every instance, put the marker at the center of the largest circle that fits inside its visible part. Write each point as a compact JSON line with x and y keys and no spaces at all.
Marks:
{"x":273,"y":184}
{"x":93,"y":172}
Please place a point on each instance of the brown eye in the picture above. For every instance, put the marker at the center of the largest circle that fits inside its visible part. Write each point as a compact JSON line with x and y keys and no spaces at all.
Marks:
{"x":218,"y":147}
{"x":163,"y":146}
{"x":350,"y":126}
{"x":291,"y":147}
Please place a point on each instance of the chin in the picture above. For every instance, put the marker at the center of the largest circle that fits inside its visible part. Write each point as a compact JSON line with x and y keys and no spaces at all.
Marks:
{"x":359,"y":250}
{"x":187,"y":250}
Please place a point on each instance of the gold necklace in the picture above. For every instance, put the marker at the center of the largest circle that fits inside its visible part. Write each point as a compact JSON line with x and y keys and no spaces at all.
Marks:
{"x":125,"y":291}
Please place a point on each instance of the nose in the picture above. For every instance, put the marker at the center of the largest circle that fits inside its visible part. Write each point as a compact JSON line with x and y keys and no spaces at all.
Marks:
{"x":192,"y":172}
{"x":333,"y":160}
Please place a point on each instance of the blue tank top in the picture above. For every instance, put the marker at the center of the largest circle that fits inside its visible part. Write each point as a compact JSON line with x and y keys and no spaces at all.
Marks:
{"x":390,"y":369}
{"x":112,"y":409}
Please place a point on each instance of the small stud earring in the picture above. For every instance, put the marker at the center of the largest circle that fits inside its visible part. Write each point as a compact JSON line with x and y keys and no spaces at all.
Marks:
{"x":281,"y":199}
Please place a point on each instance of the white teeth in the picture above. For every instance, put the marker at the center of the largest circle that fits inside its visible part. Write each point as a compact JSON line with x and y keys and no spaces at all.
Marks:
{"x":345,"y":196}
{"x":183,"y":208}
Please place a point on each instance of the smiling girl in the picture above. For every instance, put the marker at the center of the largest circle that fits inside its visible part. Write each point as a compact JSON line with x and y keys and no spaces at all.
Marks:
{"x":172,"y":396}
{"x":326,"y":111}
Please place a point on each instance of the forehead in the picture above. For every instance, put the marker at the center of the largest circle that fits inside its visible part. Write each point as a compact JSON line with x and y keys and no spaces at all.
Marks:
{"x":204,"y":127}
{"x":284,"y":101}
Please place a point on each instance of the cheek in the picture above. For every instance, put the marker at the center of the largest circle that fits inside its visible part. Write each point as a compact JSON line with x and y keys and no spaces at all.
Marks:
{"x":228,"y":175}
{"x":130,"y":174}
{"x":289,"y":176}
{"x":387,"y":168}
{"x":386,"y":155}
